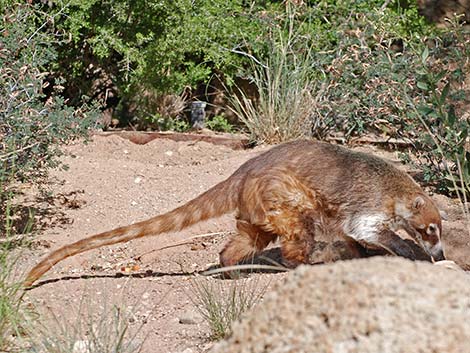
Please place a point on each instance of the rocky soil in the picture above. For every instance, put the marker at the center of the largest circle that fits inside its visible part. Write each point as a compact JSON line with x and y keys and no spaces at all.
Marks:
{"x":112,"y":182}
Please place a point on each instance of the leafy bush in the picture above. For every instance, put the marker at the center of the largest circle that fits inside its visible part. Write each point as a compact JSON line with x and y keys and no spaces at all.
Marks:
{"x":219,"y":123}
{"x":339,"y":73}
{"x":394,"y":75}
{"x":365,"y":69}
{"x":444,"y":145}
{"x":32,"y":123}
{"x":152,"y":48}
{"x":158,"y":122}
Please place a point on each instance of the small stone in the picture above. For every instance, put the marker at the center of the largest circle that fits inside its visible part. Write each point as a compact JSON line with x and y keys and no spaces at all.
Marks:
{"x":207,"y":346}
{"x":188,"y":350}
{"x":189,"y":318}
{"x":81,"y":347}
{"x":133,"y":203}
{"x":169,"y":153}
{"x":137,"y":180}
{"x":199,"y":246}
{"x":96,"y":267}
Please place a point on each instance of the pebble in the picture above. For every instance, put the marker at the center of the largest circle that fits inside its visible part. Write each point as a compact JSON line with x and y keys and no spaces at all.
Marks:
{"x":195,"y":247}
{"x":189,"y":318}
{"x":188,"y":350}
{"x":81,"y":347}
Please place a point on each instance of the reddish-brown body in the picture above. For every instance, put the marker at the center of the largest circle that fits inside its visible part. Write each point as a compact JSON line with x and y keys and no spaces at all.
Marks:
{"x":290,"y":192}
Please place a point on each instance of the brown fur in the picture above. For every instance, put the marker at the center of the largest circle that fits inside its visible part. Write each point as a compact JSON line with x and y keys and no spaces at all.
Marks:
{"x":291,"y":192}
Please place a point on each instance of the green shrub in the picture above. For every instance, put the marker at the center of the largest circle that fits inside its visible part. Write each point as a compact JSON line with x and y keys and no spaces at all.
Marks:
{"x":365,"y":70}
{"x":158,"y":122}
{"x":219,"y":123}
{"x":444,"y":146}
{"x":33,"y":124}
{"x":392,"y":74}
{"x":157,"y":47}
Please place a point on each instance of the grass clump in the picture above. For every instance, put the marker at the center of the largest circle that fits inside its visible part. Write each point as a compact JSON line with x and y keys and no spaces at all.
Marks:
{"x":14,"y":313}
{"x":221,"y":303}
{"x":100,"y":327}
{"x":282,"y":109}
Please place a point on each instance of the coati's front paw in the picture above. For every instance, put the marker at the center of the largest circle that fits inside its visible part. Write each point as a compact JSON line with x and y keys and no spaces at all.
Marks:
{"x":413,"y":251}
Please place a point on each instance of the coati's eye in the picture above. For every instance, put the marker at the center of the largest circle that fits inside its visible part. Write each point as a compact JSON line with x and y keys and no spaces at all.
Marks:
{"x":432,"y":228}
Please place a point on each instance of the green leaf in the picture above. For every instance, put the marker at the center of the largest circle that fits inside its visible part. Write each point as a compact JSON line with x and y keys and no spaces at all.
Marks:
{"x":425,"y":110}
{"x":440,"y":76}
{"x":451,"y":118}
{"x":445,"y":92}
{"x":423,"y":85}
{"x":425,"y":54}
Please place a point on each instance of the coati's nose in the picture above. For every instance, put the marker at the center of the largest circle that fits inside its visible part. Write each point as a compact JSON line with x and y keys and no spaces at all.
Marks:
{"x":438,"y":255}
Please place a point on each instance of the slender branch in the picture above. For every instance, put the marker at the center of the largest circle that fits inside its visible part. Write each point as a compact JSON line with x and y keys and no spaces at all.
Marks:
{"x":235,"y":51}
{"x":464,"y":187}
{"x":245,"y":267}
{"x":5,"y":156}
{"x":45,"y":23}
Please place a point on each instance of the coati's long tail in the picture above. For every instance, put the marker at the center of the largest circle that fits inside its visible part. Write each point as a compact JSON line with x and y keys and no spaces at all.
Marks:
{"x":215,"y":202}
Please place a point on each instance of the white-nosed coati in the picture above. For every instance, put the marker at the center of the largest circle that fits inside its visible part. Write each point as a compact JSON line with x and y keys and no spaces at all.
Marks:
{"x":289,"y":192}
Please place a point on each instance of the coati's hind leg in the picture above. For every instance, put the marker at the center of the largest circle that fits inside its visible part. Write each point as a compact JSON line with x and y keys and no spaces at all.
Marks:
{"x":277,"y":204}
{"x":250,"y":240}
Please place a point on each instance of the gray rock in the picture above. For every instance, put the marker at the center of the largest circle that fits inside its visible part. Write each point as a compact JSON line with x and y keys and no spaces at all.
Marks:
{"x":386,"y":305}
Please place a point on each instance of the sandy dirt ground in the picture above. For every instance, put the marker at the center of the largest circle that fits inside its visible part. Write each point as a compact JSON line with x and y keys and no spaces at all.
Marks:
{"x":112,"y":182}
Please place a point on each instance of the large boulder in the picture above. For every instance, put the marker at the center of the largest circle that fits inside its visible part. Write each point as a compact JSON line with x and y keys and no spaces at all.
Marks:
{"x":371,"y":305}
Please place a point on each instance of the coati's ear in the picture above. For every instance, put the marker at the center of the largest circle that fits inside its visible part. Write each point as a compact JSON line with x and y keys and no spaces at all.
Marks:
{"x":418,"y":203}
{"x":443,"y":215}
